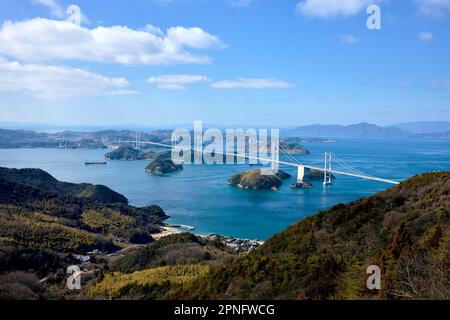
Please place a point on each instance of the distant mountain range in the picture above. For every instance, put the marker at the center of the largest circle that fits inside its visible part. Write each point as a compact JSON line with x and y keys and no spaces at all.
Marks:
{"x":363,"y":129}
{"x":74,"y":139}
{"x":425,"y":127}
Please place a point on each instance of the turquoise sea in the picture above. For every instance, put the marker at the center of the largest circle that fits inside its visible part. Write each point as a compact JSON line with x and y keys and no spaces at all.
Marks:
{"x":199,"y":196}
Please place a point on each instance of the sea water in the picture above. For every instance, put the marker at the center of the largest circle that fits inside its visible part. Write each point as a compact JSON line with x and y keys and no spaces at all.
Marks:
{"x":199,"y":195}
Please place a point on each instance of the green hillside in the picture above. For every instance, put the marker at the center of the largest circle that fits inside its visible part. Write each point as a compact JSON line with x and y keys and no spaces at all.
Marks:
{"x":45,"y":182}
{"x":404,"y":230}
{"x":161,"y":269}
{"x":38,"y":211}
{"x":175,"y":249}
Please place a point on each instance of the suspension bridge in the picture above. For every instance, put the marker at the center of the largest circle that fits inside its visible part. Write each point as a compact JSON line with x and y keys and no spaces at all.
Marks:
{"x":303,"y":170}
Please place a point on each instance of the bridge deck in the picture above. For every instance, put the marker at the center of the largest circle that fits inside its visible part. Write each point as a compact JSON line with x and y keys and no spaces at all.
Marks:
{"x":362,"y":176}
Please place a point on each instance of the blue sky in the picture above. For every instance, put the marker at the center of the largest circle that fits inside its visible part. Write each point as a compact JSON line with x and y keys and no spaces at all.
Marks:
{"x":242,"y":62}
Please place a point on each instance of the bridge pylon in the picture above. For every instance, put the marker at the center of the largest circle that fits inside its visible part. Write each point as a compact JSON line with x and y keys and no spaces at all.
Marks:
{"x":137,"y":144}
{"x":303,"y":174}
{"x":327,"y":172}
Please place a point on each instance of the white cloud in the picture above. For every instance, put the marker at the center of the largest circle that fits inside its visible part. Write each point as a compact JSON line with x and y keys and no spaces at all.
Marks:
{"x":176,"y":81}
{"x":55,"y":82}
{"x":433,"y":8}
{"x":180,"y":82}
{"x":194,"y":38}
{"x":48,"y":40}
{"x":331,"y":8}
{"x":153,"y":30}
{"x":252,"y":83}
{"x":348,"y":39}
{"x":121,"y":93}
{"x":425,"y":36}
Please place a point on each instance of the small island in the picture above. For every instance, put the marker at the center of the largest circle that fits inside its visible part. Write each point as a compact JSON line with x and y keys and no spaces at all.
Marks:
{"x":162,"y":166}
{"x":289,"y":145}
{"x":254,"y":180}
{"x":129,"y":154}
{"x":293,"y":147}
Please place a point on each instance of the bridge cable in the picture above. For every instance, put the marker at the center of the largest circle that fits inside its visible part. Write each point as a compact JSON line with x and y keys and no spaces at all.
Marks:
{"x":347,"y":166}
{"x":288,"y":155}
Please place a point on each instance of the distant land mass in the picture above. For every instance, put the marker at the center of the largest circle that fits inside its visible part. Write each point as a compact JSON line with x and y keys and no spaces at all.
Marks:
{"x":425,"y":127}
{"x":76,"y":140}
{"x":437,"y":135}
{"x":359,"y":130}
{"x":312,"y":133}
{"x":129,"y":153}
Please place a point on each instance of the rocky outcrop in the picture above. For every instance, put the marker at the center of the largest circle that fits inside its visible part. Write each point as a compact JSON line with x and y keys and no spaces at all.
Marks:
{"x":254,"y":180}
{"x":129,"y":154}
{"x":292,"y":147}
{"x":162,"y":166}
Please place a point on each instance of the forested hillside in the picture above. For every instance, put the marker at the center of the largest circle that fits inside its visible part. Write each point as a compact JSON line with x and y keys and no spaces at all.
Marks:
{"x":404,"y":230}
{"x":45,"y":222}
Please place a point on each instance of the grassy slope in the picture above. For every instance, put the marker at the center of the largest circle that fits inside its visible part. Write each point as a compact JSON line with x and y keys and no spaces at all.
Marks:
{"x":176,"y":249}
{"x":147,"y":284}
{"x":160,"y":269}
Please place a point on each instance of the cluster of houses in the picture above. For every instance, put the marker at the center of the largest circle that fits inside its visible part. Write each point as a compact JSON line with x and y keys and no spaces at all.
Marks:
{"x":84,"y":259}
{"x":239,"y":245}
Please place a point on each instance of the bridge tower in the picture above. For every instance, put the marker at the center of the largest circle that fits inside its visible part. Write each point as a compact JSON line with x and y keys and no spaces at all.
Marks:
{"x":138,"y":141}
{"x":327,"y":169}
{"x":303,"y":174}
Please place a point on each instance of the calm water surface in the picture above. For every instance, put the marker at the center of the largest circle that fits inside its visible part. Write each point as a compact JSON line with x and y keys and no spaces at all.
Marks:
{"x":199,"y":196}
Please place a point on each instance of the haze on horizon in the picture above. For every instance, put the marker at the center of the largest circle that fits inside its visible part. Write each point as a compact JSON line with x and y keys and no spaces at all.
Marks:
{"x":227,"y":62}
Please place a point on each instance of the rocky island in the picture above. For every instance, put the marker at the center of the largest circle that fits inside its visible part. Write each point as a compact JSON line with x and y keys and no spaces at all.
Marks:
{"x":293,"y":147}
{"x":162,"y":166}
{"x":254,"y":180}
{"x":129,"y":154}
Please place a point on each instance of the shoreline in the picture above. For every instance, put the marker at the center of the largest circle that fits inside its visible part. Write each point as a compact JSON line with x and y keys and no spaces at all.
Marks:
{"x":240,"y":245}
{"x":166,"y":230}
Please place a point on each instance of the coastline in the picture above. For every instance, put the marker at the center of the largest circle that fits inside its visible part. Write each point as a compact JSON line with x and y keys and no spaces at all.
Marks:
{"x":240,"y":245}
{"x":166,"y":230}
